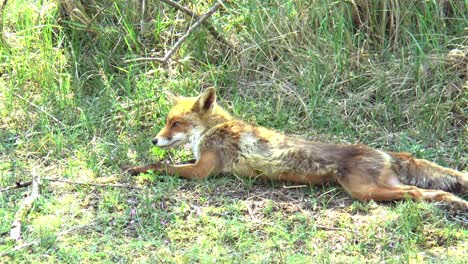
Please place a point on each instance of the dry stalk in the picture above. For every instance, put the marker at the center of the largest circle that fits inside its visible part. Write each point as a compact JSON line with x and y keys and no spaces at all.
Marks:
{"x":195,"y":16}
{"x":15,"y":231}
{"x":76,"y":11}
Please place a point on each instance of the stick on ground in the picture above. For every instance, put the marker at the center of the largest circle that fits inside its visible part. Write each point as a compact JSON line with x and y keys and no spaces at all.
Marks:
{"x":26,"y":184}
{"x":93,"y":184}
{"x":15,"y":231}
{"x":17,"y":185}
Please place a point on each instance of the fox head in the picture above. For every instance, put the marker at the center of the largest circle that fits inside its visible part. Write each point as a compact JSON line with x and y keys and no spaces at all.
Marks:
{"x":189,"y":118}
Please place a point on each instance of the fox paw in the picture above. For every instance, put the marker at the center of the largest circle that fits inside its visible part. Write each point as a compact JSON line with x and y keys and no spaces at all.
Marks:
{"x":458,"y":204}
{"x":463,"y":206}
{"x":131,"y":170}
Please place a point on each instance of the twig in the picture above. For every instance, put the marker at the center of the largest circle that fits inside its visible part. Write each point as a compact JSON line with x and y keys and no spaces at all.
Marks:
{"x":37,"y":241}
{"x":98,"y":13}
{"x":208,"y":25}
{"x":16,"y":186}
{"x":94,"y":184}
{"x":15,"y":231}
{"x":181,"y":40}
{"x":26,"y":184}
{"x":143,"y":59}
{"x":191,"y":29}
{"x":181,"y":8}
{"x":294,"y":186}
{"x":329,"y":228}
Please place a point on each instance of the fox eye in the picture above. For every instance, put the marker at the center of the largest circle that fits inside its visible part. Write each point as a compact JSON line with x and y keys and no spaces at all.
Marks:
{"x":175,"y":124}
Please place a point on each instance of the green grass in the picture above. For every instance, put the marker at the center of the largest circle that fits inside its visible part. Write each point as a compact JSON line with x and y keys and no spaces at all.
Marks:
{"x":390,"y":75}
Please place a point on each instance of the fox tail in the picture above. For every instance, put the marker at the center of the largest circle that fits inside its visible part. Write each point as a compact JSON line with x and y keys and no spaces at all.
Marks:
{"x":428,"y":175}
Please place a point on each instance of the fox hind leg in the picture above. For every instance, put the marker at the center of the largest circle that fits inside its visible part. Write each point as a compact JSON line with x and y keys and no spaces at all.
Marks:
{"x":402,"y":192}
{"x":374,"y":190}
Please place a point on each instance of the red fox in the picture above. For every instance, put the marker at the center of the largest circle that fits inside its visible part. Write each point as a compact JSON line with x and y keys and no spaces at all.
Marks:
{"x":224,"y":144}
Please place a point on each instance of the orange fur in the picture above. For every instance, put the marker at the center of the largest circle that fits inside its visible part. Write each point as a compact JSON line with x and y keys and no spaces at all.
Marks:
{"x":223,"y":144}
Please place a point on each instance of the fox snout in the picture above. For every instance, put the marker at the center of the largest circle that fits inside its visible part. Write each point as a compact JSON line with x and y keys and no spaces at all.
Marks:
{"x":163,"y":140}
{"x":155,"y":141}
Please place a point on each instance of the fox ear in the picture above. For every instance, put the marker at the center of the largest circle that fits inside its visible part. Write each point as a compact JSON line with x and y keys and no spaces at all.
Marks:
{"x":171,"y":97}
{"x":205,"y":101}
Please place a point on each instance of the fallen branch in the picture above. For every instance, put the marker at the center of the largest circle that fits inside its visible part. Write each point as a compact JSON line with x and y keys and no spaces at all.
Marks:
{"x":182,"y":39}
{"x":17,"y":185}
{"x":37,"y":241}
{"x":195,"y":16}
{"x":26,"y":184}
{"x":15,"y":231}
{"x":93,"y":184}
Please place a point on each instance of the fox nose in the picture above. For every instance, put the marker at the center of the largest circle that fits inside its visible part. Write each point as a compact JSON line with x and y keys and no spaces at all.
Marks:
{"x":155,"y":141}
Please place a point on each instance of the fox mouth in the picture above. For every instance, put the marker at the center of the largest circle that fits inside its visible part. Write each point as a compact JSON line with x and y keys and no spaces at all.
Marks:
{"x":172,"y":144}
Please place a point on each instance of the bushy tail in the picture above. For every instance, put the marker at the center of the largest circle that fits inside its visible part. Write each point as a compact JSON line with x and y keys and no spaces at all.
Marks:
{"x":428,"y":175}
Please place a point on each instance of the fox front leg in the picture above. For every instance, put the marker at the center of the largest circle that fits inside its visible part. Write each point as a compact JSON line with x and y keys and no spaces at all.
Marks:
{"x":207,"y":165}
